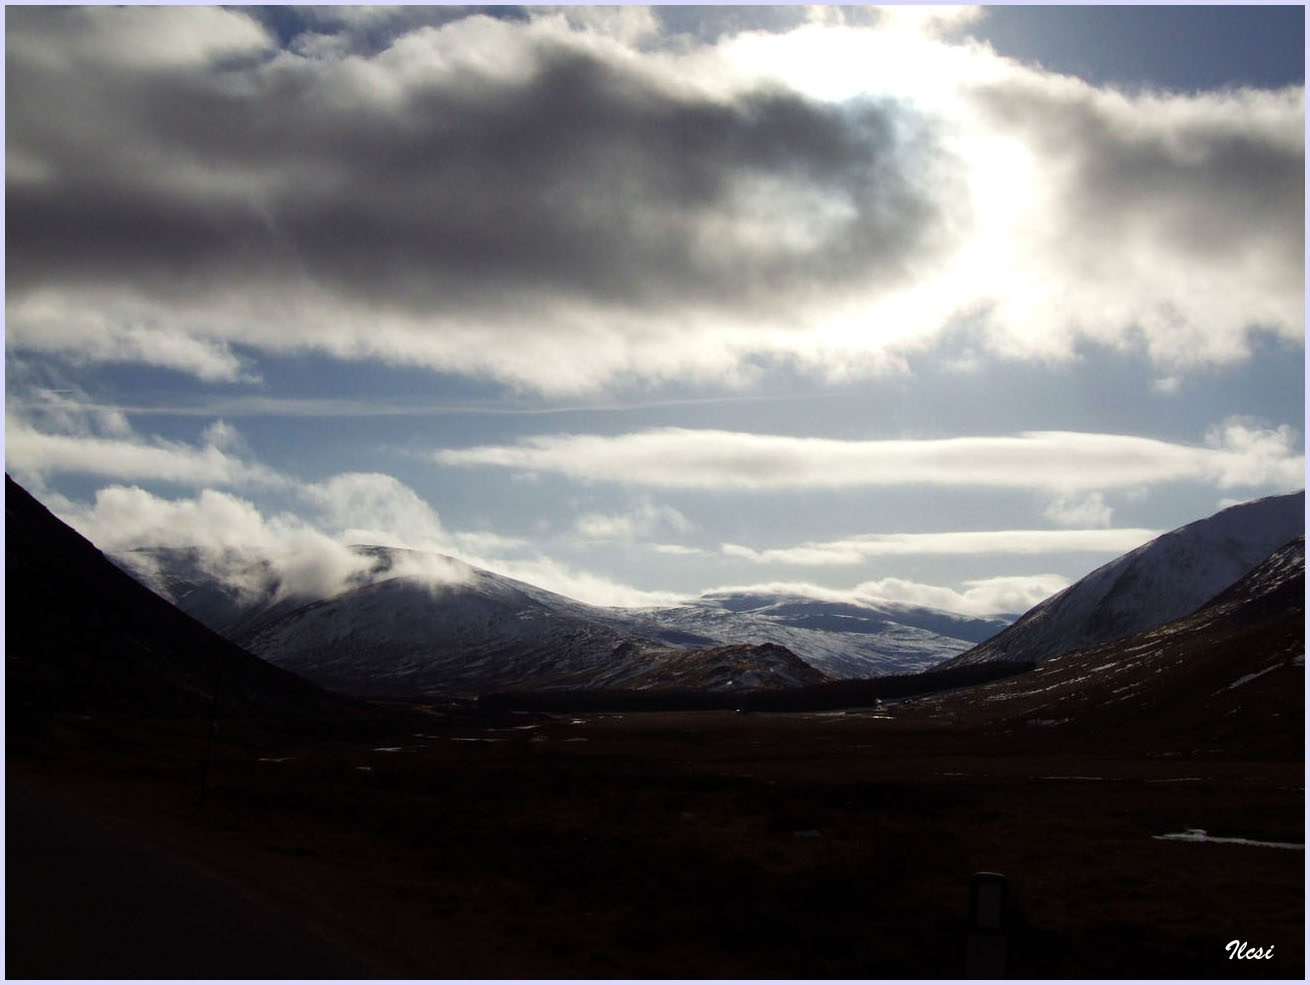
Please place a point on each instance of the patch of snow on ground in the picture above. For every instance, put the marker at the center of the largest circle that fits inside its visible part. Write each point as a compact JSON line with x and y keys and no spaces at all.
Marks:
{"x":1248,"y":678}
{"x":1199,"y":835}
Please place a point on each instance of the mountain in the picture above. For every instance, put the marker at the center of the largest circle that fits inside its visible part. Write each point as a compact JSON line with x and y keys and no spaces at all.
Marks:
{"x":1160,"y":581}
{"x":842,"y":639}
{"x":81,"y":637}
{"x":389,"y":633}
{"x":392,"y":634}
{"x":1228,"y":678}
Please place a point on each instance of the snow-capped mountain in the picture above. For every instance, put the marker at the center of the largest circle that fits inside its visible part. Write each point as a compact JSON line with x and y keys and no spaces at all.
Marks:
{"x":842,"y":639}
{"x":1160,"y":581}
{"x":389,"y":633}
{"x":1228,"y":678}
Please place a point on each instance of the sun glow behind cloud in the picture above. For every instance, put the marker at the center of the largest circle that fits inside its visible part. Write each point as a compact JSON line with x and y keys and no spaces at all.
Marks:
{"x":834,"y":195}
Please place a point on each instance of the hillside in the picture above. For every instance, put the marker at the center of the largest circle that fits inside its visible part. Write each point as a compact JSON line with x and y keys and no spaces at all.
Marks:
{"x":1228,"y":680}
{"x":390,"y":633}
{"x":1162,"y":580}
{"x":83,"y":637}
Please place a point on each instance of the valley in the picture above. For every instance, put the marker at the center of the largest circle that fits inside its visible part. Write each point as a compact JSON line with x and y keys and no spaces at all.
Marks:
{"x":695,"y":844}
{"x":179,"y":807}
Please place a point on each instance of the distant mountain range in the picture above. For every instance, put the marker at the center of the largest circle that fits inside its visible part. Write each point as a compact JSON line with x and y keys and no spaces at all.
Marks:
{"x":81,"y":634}
{"x":390,"y":634}
{"x":1162,"y":580}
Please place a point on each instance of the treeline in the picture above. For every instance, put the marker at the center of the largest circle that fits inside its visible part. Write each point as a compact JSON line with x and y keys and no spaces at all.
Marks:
{"x":891,"y":687}
{"x":829,"y":696}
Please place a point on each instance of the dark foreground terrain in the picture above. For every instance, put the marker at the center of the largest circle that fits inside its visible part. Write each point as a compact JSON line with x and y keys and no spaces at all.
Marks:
{"x":691,"y":844}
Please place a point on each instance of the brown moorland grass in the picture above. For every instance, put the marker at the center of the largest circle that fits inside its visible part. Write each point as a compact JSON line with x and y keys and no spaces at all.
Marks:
{"x":700,"y":844}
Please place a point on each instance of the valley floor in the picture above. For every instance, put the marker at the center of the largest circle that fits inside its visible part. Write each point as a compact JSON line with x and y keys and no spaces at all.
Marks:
{"x":694,"y":844}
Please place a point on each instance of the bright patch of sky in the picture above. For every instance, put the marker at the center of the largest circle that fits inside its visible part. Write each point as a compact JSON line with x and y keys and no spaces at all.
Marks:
{"x":949,"y":305}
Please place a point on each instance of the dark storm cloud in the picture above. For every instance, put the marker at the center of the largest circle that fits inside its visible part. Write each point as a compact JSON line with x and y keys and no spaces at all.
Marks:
{"x":570,"y":175}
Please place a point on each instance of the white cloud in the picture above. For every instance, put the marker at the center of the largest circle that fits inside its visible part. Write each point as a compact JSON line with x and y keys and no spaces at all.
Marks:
{"x":1090,"y":511}
{"x":1067,"y":462}
{"x":1010,"y":594}
{"x":857,"y":550}
{"x":141,"y":38}
{"x":1253,"y":455}
{"x":1013,"y":594}
{"x":584,"y":586}
{"x":100,"y":325}
{"x":678,"y":550}
{"x":33,"y":455}
{"x":644,"y":521}
{"x":254,"y":551}
{"x":931,"y":19}
{"x":475,"y":542}
{"x":232,"y":538}
{"x":1167,"y":385}
{"x":378,"y":509}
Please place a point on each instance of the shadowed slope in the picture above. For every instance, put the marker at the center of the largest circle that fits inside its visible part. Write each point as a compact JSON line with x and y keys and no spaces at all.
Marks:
{"x":83,"y":637}
{"x":1227,"y":680}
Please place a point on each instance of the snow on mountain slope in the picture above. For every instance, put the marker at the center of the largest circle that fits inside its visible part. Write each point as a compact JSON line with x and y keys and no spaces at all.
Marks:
{"x":470,"y":630}
{"x":1162,"y":580}
{"x":1229,"y":678}
{"x":841,"y":639}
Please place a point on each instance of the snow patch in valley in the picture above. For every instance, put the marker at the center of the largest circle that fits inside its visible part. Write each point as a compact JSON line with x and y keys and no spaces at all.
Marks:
{"x":1248,"y":678}
{"x":1199,"y":835}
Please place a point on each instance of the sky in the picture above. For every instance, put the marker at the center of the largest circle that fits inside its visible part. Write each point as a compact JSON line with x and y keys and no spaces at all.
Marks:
{"x":945,"y":305}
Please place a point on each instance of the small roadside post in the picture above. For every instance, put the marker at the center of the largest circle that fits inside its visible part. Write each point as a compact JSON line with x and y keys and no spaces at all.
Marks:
{"x":985,"y":949}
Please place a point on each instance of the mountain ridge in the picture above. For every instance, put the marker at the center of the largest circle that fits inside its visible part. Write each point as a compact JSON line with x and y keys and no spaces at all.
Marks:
{"x":477,"y":630}
{"x":1164,"y":579}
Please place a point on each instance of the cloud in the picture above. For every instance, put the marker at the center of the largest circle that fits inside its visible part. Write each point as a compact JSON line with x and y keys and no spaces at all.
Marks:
{"x":584,"y":586}
{"x":378,"y":509}
{"x":99,"y":326}
{"x":858,"y":550}
{"x":678,"y":550}
{"x":1236,"y":455}
{"x":32,"y":455}
{"x":644,"y":521}
{"x":137,"y":39}
{"x":234,"y":542}
{"x":570,"y":200}
{"x":1009,"y":594}
{"x":1090,"y":511}
{"x":1165,"y":223}
{"x":1254,"y":455}
{"x":1013,"y":594}
{"x":280,"y":555}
